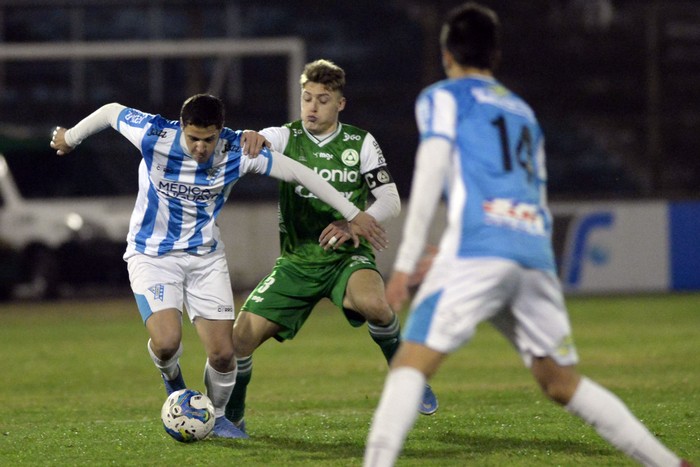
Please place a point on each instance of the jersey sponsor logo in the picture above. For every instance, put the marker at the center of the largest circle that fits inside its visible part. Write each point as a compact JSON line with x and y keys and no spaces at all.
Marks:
{"x":380,"y":153}
{"x":501,"y":97}
{"x":338,"y":175}
{"x":349,"y":137}
{"x":296,"y":132}
{"x":158,"y":291}
{"x":350,"y":157}
{"x":225,"y":309}
{"x":324,"y":155}
{"x":378,"y":176}
{"x":359,"y":259}
{"x":256,"y":298}
{"x":156,"y":132}
{"x":135,"y":117}
{"x":186,"y":192}
{"x":524,"y":217}
{"x":165,"y":169}
{"x":303,"y":192}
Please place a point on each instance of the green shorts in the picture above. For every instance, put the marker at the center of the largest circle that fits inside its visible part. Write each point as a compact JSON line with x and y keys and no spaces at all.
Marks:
{"x":291,"y":291}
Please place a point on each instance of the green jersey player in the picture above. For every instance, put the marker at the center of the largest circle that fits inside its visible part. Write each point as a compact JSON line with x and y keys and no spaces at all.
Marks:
{"x":316,"y":260}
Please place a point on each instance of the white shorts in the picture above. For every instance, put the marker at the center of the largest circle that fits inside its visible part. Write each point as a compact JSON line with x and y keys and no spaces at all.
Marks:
{"x":200,"y":283}
{"x":525,"y":305}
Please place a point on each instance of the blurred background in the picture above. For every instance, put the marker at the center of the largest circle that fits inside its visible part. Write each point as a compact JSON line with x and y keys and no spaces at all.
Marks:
{"x":615,"y":84}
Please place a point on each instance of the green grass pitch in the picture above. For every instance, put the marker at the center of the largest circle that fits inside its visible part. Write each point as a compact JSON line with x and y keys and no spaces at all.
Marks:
{"x":78,"y":388}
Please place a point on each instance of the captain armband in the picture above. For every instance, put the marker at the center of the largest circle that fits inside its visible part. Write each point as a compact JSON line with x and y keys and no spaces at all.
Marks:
{"x":377,"y":177}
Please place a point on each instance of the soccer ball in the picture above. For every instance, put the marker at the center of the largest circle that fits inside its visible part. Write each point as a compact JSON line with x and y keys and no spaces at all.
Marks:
{"x":188,"y":415}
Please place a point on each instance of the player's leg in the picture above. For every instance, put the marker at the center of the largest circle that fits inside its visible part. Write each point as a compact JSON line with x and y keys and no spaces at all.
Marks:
{"x":209,"y":303}
{"x":157,"y":287}
{"x":454,"y":298}
{"x":540,"y":329}
{"x":165,"y":346}
{"x":277,"y":307}
{"x":603,"y":410}
{"x":249,"y":332}
{"x":410,"y":370}
{"x":364,"y":294}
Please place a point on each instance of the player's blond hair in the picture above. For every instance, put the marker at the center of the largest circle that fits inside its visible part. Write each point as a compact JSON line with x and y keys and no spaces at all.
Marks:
{"x":326,"y":73}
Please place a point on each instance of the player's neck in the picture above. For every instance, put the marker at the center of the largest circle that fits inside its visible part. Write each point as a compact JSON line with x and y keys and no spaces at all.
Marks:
{"x":472,"y":72}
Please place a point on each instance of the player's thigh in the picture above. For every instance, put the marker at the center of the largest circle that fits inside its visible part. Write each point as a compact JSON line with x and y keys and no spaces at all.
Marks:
{"x":457,"y":295}
{"x":365,"y":295}
{"x":217,"y":339}
{"x":157,"y":283}
{"x":538,"y":324}
{"x":286,"y":297}
{"x":165,"y":330}
{"x":208,"y":292}
{"x":251,"y":330}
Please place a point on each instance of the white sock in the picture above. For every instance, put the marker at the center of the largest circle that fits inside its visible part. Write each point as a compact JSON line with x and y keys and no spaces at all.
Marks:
{"x":394,"y":417}
{"x":219,"y":387}
{"x":167,"y":367}
{"x":615,"y":423}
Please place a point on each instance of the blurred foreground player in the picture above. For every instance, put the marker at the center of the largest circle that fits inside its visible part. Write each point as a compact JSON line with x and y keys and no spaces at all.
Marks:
{"x":484,"y":146}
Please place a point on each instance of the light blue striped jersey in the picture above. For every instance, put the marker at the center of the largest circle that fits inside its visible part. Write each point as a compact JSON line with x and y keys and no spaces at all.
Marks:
{"x":496,"y":192}
{"x":179,"y":199}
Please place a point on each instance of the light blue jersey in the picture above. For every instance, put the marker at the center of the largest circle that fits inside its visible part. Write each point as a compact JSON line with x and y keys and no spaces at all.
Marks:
{"x":496,"y":192}
{"x":179,"y":199}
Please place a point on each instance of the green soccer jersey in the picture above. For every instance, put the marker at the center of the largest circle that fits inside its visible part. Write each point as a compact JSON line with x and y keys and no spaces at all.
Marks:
{"x":348,"y":159}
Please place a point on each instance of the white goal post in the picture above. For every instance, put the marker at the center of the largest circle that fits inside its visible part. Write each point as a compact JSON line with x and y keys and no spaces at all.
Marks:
{"x":293,"y":48}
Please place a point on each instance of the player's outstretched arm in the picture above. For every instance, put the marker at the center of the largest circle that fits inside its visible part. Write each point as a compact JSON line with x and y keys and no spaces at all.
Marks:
{"x":64,"y":141}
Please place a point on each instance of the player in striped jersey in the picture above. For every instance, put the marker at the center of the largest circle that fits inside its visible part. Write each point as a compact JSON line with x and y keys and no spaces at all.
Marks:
{"x":174,"y":252}
{"x":483,"y":145}
{"x":306,"y":272}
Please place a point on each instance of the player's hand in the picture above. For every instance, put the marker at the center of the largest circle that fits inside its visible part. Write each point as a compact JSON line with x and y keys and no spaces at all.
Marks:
{"x":424,"y":264}
{"x":337,"y":233}
{"x":58,"y":141}
{"x":397,"y":292}
{"x":364,"y":225}
{"x":252,"y":143}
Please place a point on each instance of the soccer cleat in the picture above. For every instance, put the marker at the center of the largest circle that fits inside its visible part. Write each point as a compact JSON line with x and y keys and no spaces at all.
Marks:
{"x":224,"y":428}
{"x":240,"y":424}
{"x":176,"y":384}
{"x":429,"y":403}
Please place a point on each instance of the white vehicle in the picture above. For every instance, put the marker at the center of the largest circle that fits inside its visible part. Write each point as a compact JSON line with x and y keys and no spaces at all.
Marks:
{"x":46,"y":243}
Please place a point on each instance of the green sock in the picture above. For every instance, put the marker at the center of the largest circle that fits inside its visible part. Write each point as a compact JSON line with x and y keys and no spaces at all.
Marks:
{"x":387,"y":337}
{"x":235,"y":408}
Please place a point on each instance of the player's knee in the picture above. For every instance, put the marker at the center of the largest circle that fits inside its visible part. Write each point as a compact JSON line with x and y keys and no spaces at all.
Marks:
{"x":222,"y":361}
{"x":165,"y":348}
{"x":559,"y":389}
{"x":243,"y":347}
{"x":375,"y":310}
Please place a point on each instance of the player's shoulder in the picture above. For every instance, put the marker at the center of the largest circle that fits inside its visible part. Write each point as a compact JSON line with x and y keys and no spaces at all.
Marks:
{"x":138,"y":118}
{"x":353,"y":134}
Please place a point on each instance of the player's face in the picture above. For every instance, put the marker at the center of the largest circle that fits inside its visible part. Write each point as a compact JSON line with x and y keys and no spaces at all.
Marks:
{"x":320,"y":108}
{"x":201,"y":141}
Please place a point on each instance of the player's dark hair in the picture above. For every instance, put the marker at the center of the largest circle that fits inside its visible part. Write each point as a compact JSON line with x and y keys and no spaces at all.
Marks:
{"x":326,"y":73}
{"x":472,"y":34}
{"x":203,"y":110}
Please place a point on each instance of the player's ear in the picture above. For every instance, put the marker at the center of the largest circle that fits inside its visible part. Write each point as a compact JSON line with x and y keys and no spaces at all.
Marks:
{"x":341,"y":103}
